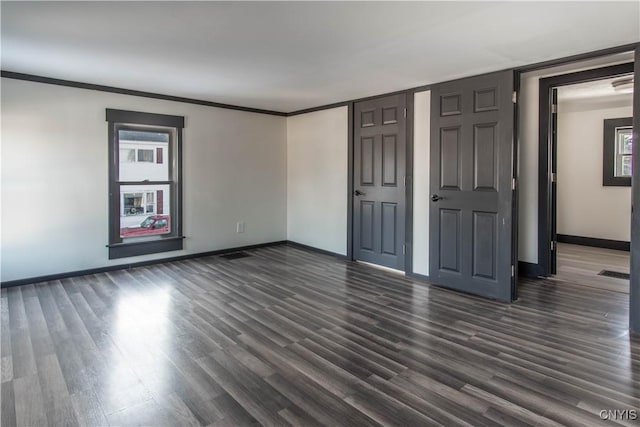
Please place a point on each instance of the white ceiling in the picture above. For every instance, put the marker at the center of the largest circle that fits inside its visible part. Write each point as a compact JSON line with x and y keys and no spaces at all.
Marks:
{"x":287,"y":56}
{"x":591,"y":90}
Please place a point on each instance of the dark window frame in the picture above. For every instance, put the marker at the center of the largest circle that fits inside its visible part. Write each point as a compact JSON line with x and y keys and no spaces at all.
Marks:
{"x":133,"y":120}
{"x":609,"y":178}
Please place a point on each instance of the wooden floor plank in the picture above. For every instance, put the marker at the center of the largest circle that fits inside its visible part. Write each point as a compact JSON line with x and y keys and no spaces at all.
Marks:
{"x":290,"y":337}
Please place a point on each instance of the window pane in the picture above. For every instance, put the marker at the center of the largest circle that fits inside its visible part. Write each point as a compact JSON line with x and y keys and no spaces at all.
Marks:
{"x":626,"y":165}
{"x":143,"y":155}
{"x":623,"y":152}
{"x":150,"y":202}
{"x":132,"y":204}
{"x":144,"y":210}
{"x":624,"y":141}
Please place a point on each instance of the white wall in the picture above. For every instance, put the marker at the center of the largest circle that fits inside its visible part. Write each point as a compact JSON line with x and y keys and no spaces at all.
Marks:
{"x":235,"y":165}
{"x":585,"y":207}
{"x":317,"y":180}
{"x":54,"y":177}
{"x":528,"y":150}
{"x":421,"y":149}
{"x":317,"y":153}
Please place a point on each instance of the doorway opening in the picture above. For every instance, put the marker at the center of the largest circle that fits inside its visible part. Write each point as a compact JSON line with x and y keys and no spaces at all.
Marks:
{"x":585,"y":182}
{"x":593,"y":178}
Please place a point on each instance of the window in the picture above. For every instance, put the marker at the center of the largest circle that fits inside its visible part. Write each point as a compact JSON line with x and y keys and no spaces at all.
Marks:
{"x":127,"y":155}
{"x":623,"y":152}
{"x":145,"y":155}
{"x":617,"y":164}
{"x":149,"y":202}
{"x":139,"y":203}
{"x":144,"y":186}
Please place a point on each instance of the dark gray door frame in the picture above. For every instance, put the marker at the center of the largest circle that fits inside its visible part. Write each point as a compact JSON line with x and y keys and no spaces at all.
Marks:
{"x":547,"y":155}
{"x":408,"y":226}
{"x":634,"y":282}
{"x":515,"y":209}
{"x":408,"y":259}
{"x":350,"y":188}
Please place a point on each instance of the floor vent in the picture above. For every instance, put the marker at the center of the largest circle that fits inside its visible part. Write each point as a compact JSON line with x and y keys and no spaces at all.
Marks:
{"x":235,"y":255}
{"x":616,"y":274}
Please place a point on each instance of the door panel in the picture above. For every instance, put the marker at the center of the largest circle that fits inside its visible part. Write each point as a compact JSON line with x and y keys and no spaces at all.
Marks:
{"x":450,"y":167}
{"x":485,"y":173}
{"x":389,"y":228}
{"x":471,"y":185}
{"x":379,"y":170}
{"x":366,"y":225}
{"x":484,"y":245}
{"x":389,"y":160}
{"x":367,"y":161}
{"x":449,"y":238}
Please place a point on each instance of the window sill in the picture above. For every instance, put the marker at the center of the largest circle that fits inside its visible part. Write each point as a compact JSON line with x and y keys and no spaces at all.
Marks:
{"x":125,"y":250}
{"x":616,"y":181}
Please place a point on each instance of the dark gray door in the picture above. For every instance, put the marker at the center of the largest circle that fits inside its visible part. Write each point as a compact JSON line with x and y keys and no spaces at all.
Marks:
{"x":472,"y":245}
{"x":379,"y":181}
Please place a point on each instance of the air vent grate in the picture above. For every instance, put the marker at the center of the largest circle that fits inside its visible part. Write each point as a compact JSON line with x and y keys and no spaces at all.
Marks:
{"x":235,"y":255}
{"x":615,"y":274}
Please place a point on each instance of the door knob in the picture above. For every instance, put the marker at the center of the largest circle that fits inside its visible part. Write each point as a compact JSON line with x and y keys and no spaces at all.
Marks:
{"x":360,"y":193}
{"x":435,"y":198}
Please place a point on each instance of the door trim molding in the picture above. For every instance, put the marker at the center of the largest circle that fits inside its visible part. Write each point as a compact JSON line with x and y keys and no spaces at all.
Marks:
{"x":515,"y":208}
{"x":350,"y":160}
{"x":408,"y":191}
{"x":634,"y":281}
{"x":546,"y":210}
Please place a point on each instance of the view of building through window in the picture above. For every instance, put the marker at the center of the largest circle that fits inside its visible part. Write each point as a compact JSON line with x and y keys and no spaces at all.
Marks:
{"x":623,"y":153}
{"x":143,"y":169}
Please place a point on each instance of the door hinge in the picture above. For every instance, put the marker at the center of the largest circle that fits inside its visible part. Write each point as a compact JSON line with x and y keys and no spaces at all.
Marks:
{"x":404,"y":249}
{"x":514,"y":97}
{"x":553,"y":245}
{"x":554,"y":177}
{"x":405,"y":112}
{"x":513,"y":270}
{"x":513,"y":183}
{"x":554,"y":108}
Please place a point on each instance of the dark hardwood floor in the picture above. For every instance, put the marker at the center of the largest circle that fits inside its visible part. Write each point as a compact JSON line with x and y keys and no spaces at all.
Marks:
{"x":581,"y":265}
{"x":292,"y":337}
